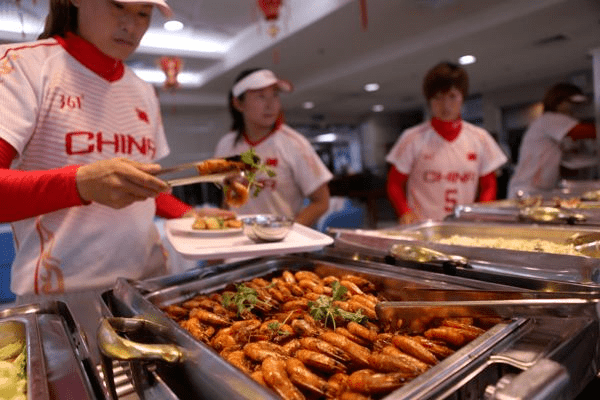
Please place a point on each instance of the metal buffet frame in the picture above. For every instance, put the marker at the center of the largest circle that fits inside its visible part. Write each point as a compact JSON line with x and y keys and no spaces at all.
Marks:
{"x":541,"y":357}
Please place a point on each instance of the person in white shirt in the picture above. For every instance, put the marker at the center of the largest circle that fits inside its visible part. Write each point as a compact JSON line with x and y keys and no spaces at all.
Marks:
{"x":257,"y":117}
{"x":541,"y":149}
{"x":445,"y":161}
{"x":80,"y":135}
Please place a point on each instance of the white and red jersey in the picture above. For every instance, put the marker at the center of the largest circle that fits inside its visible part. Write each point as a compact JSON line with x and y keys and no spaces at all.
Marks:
{"x":57,"y":112}
{"x":299,"y":170}
{"x":540,"y":154}
{"x":442,"y":173}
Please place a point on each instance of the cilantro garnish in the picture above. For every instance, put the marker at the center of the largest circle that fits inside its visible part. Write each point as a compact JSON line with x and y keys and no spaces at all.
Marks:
{"x":250,"y":158}
{"x":244,"y":298}
{"x":276,"y":326}
{"x":323,"y":308}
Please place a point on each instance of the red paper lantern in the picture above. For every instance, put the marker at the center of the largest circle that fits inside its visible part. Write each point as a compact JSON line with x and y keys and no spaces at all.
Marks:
{"x":270,"y":8}
{"x":171,"y":66}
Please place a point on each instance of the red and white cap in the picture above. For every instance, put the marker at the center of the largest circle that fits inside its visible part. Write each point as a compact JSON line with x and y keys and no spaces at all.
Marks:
{"x":258,"y":80}
{"x":161,"y":4}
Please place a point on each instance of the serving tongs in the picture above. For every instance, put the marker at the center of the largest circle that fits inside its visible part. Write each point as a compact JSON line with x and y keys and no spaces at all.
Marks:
{"x":418,"y":306}
{"x":550,"y":214}
{"x":196,"y":177}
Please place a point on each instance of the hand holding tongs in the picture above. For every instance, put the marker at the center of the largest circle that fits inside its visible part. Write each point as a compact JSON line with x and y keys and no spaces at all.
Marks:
{"x":418,"y":304}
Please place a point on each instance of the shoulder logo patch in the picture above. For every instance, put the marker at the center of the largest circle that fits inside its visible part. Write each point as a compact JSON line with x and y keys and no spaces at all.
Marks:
{"x":142,"y":115}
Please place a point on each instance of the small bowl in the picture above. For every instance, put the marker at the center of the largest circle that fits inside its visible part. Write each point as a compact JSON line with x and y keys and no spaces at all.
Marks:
{"x":267,"y":228}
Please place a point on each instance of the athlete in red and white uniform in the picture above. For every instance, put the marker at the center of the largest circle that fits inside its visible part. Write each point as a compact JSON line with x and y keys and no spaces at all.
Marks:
{"x":257,"y":123}
{"x":541,"y":151}
{"x":66,"y":104}
{"x":445,"y":161}
{"x":442,"y":173}
{"x":299,"y":170}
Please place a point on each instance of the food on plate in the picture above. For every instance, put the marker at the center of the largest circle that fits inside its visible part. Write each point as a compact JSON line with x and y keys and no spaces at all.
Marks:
{"x":536,"y":245}
{"x":572,"y":202}
{"x":307,"y":336}
{"x":204,"y":222}
{"x":13,"y":371}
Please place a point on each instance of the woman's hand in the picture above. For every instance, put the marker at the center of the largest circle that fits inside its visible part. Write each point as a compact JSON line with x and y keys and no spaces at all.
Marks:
{"x":118,"y":182}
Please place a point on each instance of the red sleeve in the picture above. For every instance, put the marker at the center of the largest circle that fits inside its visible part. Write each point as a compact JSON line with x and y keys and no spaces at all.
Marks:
{"x":488,"y":187}
{"x":26,"y":194}
{"x":396,"y":191}
{"x":169,"y":206}
{"x":583,"y":130}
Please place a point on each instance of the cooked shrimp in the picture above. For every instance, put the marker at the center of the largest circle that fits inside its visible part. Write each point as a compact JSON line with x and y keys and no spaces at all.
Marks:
{"x":356,"y":339}
{"x":239,"y":359}
{"x":336,"y":385}
{"x":362,"y":331}
{"x":384,"y":362}
{"x":398,"y":355}
{"x":305,"y":378}
{"x":358,"y":353}
{"x":320,"y":361}
{"x":321,"y":346}
{"x":452,"y":336}
{"x":288,"y":277}
{"x":236,"y":194}
{"x":276,"y":377}
{"x":197,"y":330}
{"x":411,"y":347}
{"x":209,"y":317}
{"x":370,"y":382}
{"x":438,"y":349}
{"x":259,"y":351}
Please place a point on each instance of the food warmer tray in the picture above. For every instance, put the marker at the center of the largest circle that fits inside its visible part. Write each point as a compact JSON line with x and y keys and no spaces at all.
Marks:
{"x":523,"y":358}
{"x":58,"y":362}
{"x":512,"y":267}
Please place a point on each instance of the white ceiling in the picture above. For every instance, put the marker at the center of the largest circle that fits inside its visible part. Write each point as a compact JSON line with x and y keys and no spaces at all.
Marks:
{"x":322,"y":49}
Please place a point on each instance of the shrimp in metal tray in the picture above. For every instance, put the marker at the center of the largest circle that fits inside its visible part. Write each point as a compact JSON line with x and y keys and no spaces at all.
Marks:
{"x":371,"y":382}
{"x":370,"y":335}
{"x":304,"y":327}
{"x":400,"y":359}
{"x":209,"y":317}
{"x":365,"y":284}
{"x":305,"y":378}
{"x":336,"y":385}
{"x":320,"y":361}
{"x":239,"y":359}
{"x":358,"y":353}
{"x":412,"y":347}
{"x":259,"y":351}
{"x":198,"y":330}
{"x":300,"y":275}
{"x":321,"y":346}
{"x":276,"y":377}
{"x":437,"y":348}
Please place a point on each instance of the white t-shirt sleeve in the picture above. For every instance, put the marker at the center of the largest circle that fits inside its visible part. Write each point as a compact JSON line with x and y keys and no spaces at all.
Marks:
{"x":558,"y":125}
{"x":20,"y":90}
{"x":309,"y":170}
{"x":492,"y":155}
{"x":402,"y":154}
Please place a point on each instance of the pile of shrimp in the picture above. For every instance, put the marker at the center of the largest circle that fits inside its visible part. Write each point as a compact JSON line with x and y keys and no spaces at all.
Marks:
{"x":281,"y":346}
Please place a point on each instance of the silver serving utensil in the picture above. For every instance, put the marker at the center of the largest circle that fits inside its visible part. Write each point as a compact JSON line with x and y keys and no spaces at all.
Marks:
{"x":218,"y":179}
{"x":550,"y":214}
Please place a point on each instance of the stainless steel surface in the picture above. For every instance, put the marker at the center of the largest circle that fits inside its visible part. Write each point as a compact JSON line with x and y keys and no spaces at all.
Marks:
{"x":508,"y":348}
{"x":60,"y":366}
{"x":213,"y":178}
{"x":267,"y":228}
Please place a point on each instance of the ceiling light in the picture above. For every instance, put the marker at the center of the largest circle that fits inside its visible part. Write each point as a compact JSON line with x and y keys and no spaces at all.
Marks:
{"x":377,"y":108}
{"x":371,"y":87}
{"x":308,"y":105}
{"x":173,"y":25}
{"x":326,"y":138}
{"x":466,"y":60}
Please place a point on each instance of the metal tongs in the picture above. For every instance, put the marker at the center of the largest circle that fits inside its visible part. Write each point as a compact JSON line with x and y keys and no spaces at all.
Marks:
{"x":550,"y":214}
{"x":418,"y":305}
{"x":196,"y":177}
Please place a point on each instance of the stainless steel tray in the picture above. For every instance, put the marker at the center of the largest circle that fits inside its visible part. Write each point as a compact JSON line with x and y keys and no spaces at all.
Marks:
{"x":587,"y":213}
{"x":530,"y":270}
{"x":58,"y":363}
{"x":205,"y":374}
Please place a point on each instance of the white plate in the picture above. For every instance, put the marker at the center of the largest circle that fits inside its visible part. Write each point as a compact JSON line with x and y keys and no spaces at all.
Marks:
{"x":193,"y":247}
{"x":183,"y":226}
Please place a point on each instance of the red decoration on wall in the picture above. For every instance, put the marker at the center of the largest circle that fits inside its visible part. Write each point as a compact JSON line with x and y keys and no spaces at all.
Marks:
{"x":270,"y":9}
{"x":364,"y":17}
{"x":171,"y":66}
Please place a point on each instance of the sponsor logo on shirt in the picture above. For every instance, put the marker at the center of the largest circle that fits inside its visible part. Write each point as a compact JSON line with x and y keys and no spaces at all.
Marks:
{"x":70,"y":102}
{"x":471,"y":156}
{"x":84,"y":142}
{"x":431,"y":176}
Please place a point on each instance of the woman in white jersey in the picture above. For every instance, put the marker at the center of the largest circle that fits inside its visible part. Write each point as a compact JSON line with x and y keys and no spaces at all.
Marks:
{"x":257,"y":116}
{"x":79,"y":137}
{"x":541,"y":150}
{"x":445,"y":161}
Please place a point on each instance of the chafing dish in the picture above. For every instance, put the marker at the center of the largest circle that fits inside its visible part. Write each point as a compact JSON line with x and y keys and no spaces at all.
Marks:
{"x":561,"y":358}
{"x":58,"y":360}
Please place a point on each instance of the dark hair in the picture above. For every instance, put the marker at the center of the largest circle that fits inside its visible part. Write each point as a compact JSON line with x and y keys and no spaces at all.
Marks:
{"x":559,"y":93}
{"x":236,"y":116}
{"x":443,"y":77}
{"x":61,"y":18}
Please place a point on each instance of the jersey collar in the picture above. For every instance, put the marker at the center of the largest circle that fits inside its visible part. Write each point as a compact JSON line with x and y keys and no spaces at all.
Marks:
{"x":449,"y":130}
{"x":277,"y":125}
{"x":91,"y":57}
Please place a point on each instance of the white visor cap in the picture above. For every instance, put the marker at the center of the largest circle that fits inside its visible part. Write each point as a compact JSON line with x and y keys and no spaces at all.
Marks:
{"x":258,"y":80}
{"x":161,"y":4}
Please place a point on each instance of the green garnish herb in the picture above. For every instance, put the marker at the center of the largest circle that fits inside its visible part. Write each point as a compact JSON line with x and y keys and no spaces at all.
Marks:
{"x":250,"y":158}
{"x":323,"y":308}
{"x":244,"y":298}
{"x":275,"y":326}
